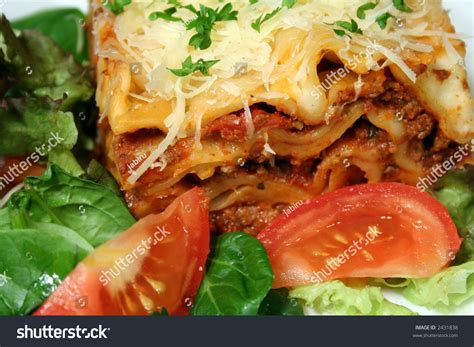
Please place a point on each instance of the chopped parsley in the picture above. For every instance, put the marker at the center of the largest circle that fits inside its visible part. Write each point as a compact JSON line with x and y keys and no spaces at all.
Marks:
{"x":188,"y":67}
{"x":351,"y":26}
{"x":383,"y":18}
{"x":116,"y":6}
{"x":256,"y":25}
{"x":401,"y":6}
{"x":166,"y":15}
{"x":366,"y":7}
{"x":204,"y":23}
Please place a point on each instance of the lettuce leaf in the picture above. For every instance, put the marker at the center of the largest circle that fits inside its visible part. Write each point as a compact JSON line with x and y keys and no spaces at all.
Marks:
{"x":36,"y":65}
{"x":335,"y":298}
{"x":65,"y":26}
{"x":40,"y":87}
{"x":29,"y":125}
{"x":456,"y":192}
{"x":451,"y":287}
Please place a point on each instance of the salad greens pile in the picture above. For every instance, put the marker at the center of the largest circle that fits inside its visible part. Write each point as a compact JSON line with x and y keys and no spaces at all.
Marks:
{"x":44,"y":92}
{"x":75,"y":214}
{"x":45,"y":88}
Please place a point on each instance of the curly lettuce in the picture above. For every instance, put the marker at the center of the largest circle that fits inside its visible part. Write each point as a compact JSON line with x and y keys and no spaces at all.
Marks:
{"x":451,"y":287}
{"x":456,"y":192}
{"x":336,"y":298}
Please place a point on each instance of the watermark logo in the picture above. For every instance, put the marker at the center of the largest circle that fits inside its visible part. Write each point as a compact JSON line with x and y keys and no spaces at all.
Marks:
{"x":122,"y":263}
{"x":292,"y":208}
{"x":17,"y":169}
{"x":439,"y":170}
{"x":136,"y":68}
{"x":4,"y":279}
{"x":131,"y":166}
{"x":241,"y":68}
{"x":334,"y":263}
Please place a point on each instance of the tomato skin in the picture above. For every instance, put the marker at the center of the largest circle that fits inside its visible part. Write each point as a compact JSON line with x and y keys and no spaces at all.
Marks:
{"x":413,"y":236}
{"x":168,"y":253}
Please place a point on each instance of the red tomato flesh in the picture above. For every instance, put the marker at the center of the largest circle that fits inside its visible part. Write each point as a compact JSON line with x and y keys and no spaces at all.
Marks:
{"x":158,"y":263}
{"x":382,"y":230}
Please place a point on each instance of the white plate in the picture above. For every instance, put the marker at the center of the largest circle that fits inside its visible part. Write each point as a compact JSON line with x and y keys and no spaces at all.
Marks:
{"x":462,"y":12}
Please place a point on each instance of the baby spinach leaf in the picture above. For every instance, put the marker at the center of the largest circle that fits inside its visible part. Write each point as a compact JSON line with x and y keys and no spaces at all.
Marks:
{"x":97,"y":173}
{"x":91,"y":209}
{"x":33,"y":262}
{"x":238,"y":278}
{"x":65,"y":26}
{"x":278,"y":303}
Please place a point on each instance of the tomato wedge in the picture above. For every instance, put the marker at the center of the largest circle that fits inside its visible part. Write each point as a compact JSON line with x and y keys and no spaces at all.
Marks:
{"x":158,"y":263}
{"x":372,"y":230}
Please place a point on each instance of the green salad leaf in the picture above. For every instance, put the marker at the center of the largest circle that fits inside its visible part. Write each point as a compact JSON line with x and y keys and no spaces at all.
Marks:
{"x":89,"y":208}
{"x":38,"y":66}
{"x":33,"y":262}
{"x":451,"y":287}
{"x":99,"y":174}
{"x":4,"y":219}
{"x":335,"y":298}
{"x":31,"y":125}
{"x":456,"y":192}
{"x":65,"y":26}
{"x":237,"y":280}
{"x":278,"y":303}
{"x":40,"y":87}
{"x":65,"y":160}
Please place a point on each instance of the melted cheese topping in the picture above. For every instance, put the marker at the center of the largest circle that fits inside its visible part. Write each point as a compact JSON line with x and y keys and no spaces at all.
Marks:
{"x":276,"y":65}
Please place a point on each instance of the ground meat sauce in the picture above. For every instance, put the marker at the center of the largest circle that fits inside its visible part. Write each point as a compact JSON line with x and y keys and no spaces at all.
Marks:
{"x":233,"y":127}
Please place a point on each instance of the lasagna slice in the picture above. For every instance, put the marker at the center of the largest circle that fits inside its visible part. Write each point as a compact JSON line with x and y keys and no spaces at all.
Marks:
{"x":270,"y":103}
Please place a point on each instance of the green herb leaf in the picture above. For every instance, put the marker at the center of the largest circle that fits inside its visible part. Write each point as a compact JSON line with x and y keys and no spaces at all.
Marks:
{"x":256,"y":25}
{"x":238,"y":278}
{"x":383,"y":19}
{"x":278,"y":303}
{"x":401,"y":6}
{"x":166,"y":15}
{"x":188,"y":67}
{"x":116,"y":6}
{"x":366,"y":7}
{"x":204,"y":23}
{"x":351,"y":26}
